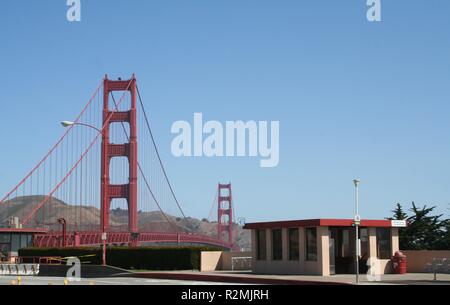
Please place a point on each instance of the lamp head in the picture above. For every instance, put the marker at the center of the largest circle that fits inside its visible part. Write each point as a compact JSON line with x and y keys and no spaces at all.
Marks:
{"x":356,"y":182}
{"x":67,"y":123}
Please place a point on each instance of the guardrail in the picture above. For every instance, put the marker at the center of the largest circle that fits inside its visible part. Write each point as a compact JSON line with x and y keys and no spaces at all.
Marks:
{"x":40,"y":260}
{"x":54,"y":239}
{"x":439,"y":265}
{"x":241,"y":263}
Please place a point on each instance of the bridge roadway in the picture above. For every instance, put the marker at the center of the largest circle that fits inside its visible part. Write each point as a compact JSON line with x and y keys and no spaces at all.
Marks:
{"x":75,"y":239}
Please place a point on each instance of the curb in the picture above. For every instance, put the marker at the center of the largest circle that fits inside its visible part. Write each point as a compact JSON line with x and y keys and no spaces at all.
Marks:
{"x":230,"y":279}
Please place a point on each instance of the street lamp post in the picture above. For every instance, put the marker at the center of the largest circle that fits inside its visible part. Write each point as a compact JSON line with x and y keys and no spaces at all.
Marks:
{"x":63,"y":222}
{"x":357,"y":221}
{"x":70,"y":123}
{"x":66,"y":124}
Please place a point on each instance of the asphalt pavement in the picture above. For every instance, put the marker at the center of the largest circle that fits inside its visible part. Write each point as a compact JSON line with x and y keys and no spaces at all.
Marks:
{"x":39,"y":280}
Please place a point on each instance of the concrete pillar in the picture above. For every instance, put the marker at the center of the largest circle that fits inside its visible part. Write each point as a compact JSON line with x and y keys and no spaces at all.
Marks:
{"x":395,"y":243}
{"x":323,"y":250}
{"x":372,"y":242}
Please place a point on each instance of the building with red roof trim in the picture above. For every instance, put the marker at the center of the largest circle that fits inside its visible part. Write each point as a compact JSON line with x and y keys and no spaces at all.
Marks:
{"x":323,"y":246}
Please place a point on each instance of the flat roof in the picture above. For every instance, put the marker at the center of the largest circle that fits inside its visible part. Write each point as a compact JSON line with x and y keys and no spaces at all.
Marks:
{"x":25,"y":230}
{"x":383,"y":223}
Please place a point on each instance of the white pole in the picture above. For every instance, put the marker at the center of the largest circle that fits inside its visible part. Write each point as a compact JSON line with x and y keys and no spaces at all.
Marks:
{"x":104,"y":253}
{"x":357,"y":219}
{"x":104,"y":238}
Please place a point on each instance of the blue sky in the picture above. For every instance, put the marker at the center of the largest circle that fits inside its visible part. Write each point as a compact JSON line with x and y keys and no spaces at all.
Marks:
{"x":354,"y":99}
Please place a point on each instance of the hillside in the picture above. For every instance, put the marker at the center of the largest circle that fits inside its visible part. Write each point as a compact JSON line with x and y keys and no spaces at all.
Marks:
{"x":90,"y":219}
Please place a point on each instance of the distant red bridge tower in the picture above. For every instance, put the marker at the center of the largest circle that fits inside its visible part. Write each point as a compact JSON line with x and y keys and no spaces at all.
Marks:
{"x":225,"y":212}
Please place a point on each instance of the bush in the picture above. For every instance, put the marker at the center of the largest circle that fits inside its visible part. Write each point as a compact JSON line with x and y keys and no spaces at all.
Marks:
{"x":148,"y":258}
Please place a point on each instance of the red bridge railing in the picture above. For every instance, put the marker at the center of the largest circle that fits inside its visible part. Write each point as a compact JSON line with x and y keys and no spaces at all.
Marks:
{"x":77,"y":239}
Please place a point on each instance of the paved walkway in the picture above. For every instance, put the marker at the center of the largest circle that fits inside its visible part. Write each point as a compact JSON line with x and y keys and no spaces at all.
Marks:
{"x":58,"y":281}
{"x":220,"y":278}
{"x":343,"y":279}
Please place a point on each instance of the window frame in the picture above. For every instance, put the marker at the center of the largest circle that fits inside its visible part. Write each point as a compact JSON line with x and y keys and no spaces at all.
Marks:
{"x":279,"y":250}
{"x":389,"y":240}
{"x":5,"y":241}
{"x":261,"y":255}
{"x":292,"y":257}
{"x":308,"y":247}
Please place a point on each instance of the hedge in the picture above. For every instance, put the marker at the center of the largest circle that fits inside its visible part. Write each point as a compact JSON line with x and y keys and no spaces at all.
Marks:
{"x":144,"y":258}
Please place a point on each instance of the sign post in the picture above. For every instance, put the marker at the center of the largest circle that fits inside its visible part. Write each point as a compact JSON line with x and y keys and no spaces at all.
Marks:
{"x":357,"y":222}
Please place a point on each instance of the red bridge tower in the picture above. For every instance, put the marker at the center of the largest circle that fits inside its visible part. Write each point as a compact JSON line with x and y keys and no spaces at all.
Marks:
{"x":109,"y":151}
{"x":225,"y":212}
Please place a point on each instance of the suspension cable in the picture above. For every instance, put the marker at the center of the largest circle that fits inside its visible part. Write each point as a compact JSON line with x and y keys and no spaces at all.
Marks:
{"x":63,"y":180}
{"x":214,"y":201}
{"x":158,"y":155}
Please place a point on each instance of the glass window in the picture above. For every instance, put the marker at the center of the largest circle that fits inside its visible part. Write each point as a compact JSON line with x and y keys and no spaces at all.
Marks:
{"x":345,"y":246}
{"x":23,"y":241}
{"x":261,"y":244}
{"x":384,"y":243}
{"x":277,"y":245}
{"x":294,"y":253}
{"x":364,"y":236}
{"x":311,"y":244}
{"x":5,"y":238}
{"x":30,"y":240}
{"x":15,"y":242}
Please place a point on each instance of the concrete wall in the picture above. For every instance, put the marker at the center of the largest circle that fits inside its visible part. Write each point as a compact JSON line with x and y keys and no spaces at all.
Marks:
{"x":300,"y":266}
{"x":217,"y":260}
{"x":210,"y":260}
{"x":418,"y":261}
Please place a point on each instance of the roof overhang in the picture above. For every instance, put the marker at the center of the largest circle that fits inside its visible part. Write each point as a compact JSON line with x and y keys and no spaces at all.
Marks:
{"x":384,"y":223}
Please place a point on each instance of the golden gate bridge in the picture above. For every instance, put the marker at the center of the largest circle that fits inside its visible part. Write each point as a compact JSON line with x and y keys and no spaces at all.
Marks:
{"x":107,"y":157}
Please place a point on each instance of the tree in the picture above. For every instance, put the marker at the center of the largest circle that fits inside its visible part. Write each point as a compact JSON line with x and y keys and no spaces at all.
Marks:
{"x":399,"y":214}
{"x":424,"y":231}
{"x":444,"y":241}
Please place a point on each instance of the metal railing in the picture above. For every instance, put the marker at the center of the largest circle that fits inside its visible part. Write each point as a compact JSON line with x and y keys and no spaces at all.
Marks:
{"x":19,"y":269}
{"x":241,"y":263}
{"x":40,"y":260}
{"x":54,"y":239}
{"x":439,"y":265}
